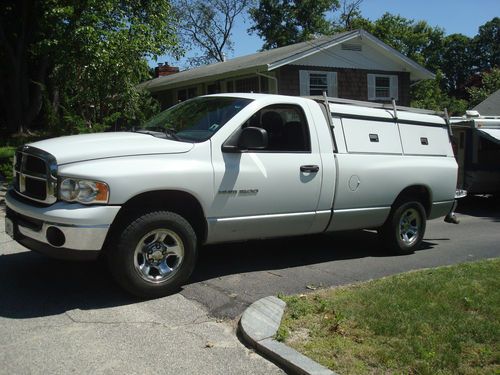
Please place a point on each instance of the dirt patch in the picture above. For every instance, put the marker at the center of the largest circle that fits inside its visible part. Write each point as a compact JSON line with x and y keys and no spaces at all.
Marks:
{"x":297,"y":336}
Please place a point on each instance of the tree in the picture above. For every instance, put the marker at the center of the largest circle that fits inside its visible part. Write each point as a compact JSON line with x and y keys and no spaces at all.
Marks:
{"x":21,"y":30}
{"x":284,"y":22}
{"x":487,"y":45}
{"x":78,"y":62}
{"x":457,"y":64}
{"x":350,"y":15}
{"x":428,"y":94}
{"x":490,"y":84}
{"x":207,"y":25}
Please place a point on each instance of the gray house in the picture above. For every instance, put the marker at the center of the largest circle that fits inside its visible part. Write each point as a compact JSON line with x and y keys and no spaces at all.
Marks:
{"x":490,"y":106}
{"x":352,"y":65}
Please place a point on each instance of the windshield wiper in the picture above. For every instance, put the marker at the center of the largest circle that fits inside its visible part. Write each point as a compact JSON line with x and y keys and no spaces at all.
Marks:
{"x":150,"y":132}
{"x":171,"y":133}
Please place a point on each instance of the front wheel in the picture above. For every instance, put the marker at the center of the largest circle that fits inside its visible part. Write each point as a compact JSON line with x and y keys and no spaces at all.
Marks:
{"x":154,"y":255}
{"x":404,"y":230}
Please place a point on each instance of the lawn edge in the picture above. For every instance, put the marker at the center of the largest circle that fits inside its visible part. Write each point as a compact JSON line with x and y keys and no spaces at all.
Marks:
{"x":258,"y":326}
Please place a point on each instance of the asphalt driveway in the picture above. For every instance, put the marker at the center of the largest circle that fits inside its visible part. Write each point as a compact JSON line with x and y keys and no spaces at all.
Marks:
{"x":229,"y":277}
{"x":60,"y":317}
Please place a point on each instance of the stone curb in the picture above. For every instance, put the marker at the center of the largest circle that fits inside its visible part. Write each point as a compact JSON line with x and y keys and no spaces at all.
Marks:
{"x":259,"y":324}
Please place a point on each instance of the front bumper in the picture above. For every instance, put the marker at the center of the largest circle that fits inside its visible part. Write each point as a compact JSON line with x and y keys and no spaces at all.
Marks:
{"x":60,"y":229}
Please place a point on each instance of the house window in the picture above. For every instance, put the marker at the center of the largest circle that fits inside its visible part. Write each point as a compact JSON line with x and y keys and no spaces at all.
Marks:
{"x":185,"y":94}
{"x":253,"y":84}
{"x":247,"y":84}
{"x":213,"y":88}
{"x":382,"y":87}
{"x":317,"y":82}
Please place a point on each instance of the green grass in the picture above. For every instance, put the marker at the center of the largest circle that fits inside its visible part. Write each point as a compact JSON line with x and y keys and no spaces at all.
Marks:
{"x":435,"y":321}
{"x":7,"y":151}
{"x":6,"y":159}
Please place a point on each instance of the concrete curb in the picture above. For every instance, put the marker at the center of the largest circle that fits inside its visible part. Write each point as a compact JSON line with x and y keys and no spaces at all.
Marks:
{"x":259,"y":324}
{"x":3,"y":191}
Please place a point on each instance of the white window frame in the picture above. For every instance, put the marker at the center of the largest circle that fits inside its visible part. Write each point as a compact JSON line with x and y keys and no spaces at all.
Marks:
{"x":238,"y":78}
{"x":305,"y":82}
{"x":393,"y":87}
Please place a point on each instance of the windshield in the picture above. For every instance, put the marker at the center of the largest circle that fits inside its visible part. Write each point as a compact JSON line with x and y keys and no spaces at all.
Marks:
{"x":196,"y":120}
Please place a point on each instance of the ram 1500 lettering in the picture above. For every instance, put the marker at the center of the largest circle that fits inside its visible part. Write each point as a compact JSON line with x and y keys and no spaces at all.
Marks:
{"x":230,"y":167}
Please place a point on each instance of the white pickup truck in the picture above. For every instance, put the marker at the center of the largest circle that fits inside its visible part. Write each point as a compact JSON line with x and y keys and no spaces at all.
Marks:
{"x":231,"y":167}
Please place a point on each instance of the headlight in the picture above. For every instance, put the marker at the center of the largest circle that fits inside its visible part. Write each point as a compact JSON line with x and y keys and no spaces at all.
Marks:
{"x":83,"y":191}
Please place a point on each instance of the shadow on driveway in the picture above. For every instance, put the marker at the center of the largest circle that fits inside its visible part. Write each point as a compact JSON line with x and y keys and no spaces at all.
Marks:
{"x":480,"y":206}
{"x":267,"y":255}
{"x":32,"y":285}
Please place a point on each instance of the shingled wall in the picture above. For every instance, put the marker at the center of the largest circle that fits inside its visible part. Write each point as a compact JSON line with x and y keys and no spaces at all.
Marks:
{"x":352,"y":83}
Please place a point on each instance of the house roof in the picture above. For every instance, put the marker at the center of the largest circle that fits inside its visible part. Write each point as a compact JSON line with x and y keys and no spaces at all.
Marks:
{"x":274,"y":58}
{"x":490,"y":106}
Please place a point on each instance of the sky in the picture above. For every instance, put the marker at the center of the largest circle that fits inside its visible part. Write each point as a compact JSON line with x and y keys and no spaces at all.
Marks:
{"x":454,"y":16}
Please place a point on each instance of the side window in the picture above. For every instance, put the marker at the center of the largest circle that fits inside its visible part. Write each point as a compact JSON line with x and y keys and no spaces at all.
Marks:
{"x":286,"y":128}
{"x":317,"y":82}
{"x":382,"y":87}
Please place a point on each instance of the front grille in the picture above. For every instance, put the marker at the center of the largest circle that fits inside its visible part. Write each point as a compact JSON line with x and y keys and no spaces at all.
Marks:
{"x":36,"y":188}
{"x":35,"y":165}
{"x":35,"y":175}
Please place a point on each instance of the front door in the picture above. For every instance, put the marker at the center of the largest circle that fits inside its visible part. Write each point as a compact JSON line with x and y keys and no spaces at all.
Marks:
{"x":272,"y":192}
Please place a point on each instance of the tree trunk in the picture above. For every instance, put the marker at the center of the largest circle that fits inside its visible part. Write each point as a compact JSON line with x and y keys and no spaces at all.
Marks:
{"x":22,"y":78}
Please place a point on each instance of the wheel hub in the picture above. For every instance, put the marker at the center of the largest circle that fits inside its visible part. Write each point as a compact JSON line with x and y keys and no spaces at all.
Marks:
{"x":409,"y":226}
{"x":158,"y":255}
{"x":155,"y":252}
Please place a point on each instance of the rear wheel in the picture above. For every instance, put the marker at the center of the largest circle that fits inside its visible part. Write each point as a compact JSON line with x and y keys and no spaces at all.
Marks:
{"x":404,"y":230}
{"x":154,"y":255}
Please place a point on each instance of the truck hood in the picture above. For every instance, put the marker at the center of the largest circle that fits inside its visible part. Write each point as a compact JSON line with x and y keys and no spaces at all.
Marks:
{"x":83,"y":147}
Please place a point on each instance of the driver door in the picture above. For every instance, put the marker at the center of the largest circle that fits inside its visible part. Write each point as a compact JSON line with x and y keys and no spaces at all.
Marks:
{"x":272,"y":192}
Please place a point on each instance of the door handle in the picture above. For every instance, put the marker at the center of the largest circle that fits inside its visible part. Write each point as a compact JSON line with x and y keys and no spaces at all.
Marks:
{"x":309,"y":168}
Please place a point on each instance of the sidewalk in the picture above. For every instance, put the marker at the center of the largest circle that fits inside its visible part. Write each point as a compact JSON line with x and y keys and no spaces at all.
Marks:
{"x":61,"y":317}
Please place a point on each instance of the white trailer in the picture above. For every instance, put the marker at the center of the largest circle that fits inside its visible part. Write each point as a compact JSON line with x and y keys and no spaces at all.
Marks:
{"x":476,"y":141}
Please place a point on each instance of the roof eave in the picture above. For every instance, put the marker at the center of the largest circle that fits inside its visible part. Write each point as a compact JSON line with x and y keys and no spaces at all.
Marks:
{"x":314,"y":49}
{"x":160,"y":86}
{"x":420,"y":74}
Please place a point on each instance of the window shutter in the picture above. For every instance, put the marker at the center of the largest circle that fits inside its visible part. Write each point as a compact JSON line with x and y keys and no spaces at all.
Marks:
{"x":304,"y":82}
{"x":394,"y":87}
{"x":332,"y":84}
{"x":371,"y":87}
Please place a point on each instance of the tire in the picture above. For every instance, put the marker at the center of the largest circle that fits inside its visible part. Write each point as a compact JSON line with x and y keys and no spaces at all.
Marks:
{"x":404,"y":230}
{"x":154,"y":255}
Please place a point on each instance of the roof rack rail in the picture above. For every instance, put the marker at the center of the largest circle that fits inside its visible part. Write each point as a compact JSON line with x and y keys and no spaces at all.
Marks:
{"x":389,"y":106}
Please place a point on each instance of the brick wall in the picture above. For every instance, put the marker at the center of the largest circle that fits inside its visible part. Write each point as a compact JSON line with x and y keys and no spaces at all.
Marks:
{"x":352,"y":83}
{"x":165,"y":70}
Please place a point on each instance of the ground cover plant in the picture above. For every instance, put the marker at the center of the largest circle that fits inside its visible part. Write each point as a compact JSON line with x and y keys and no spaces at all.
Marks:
{"x":6,"y":157}
{"x":433,"y":321}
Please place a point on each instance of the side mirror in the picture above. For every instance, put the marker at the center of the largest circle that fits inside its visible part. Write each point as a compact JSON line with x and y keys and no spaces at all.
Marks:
{"x":253,"y":138}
